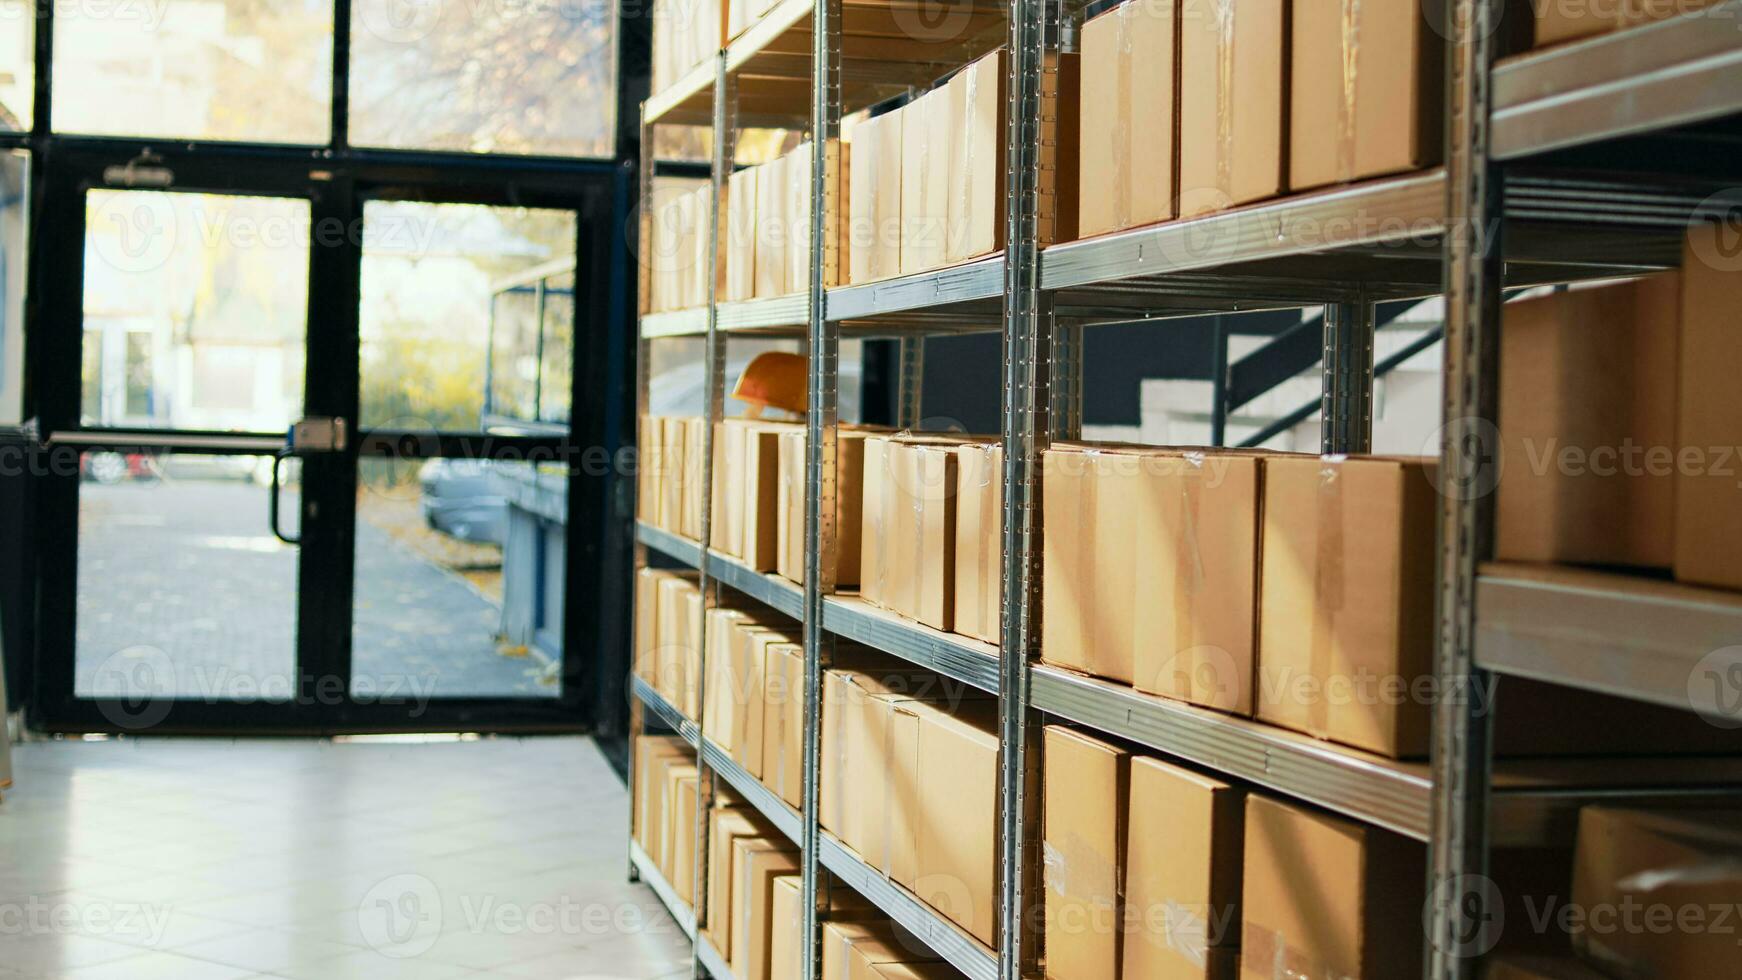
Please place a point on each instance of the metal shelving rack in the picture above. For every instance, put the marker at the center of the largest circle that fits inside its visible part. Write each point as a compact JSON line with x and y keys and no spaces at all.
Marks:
{"x":1508,"y":176}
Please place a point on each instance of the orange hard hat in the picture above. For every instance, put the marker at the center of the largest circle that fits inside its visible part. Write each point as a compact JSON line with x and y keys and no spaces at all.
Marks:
{"x":774,"y":379}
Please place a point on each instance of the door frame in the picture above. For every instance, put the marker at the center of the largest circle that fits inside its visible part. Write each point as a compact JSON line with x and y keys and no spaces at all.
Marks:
{"x":337,"y":190}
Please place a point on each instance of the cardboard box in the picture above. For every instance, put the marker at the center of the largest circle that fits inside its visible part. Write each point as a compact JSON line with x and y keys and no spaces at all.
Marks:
{"x":1085,"y":805}
{"x":1708,"y":521}
{"x":1183,"y":855}
{"x":756,"y":862}
{"x":957,"y":813}
{"x":1588,"y":425}
{"x":975,"y":199}
{"x":1323,"y":896}
{"x":676,"y":633}
{"x":854,"y":950}
{"x":1347,"y":599}
{"x":849,"y":484}
{"x":690,"y":523}
{"x":646,"y":622}
{"x":685,"y":800}
{"x":1660,"y":865}
{"x":786,"y":952}
{"x":1128,"y":117}
{"x":1538,"y":968}
{"x":783,"y":723}
{"x":750,"y":668}
{"x":1089,"y":559}
{"x":746,"y":489}
{"x":927,"y":127}
{"x":874,"y":200}
{"x":649,"y":751}
{"x":924,"y":535}
{"x":740,"y":245}
{"x":771,"y":229}
{"x":725,"y":829}
{"x":730,"y":684}
{"x":648,"y":450}
{"x":914,"y":971}
{"x":1366,"y":91}
{"x":1559,"y":22}
{"x":674,"y":829}
{"x":673,"y":474}
{"x":876,"y":518}
{"x":1233,"y":101}
{"x":1196,"y":617}
{"x":979,"y":567}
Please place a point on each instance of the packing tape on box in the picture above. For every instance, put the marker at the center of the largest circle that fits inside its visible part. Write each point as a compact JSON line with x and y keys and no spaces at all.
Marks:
{"x":1074,"y":868}
{"x":1121,"y":132}
{"x":1264,"y":952}
{"x":1183,"y":932}
{"x":1225,"y":96}
{"x":1087,"y":527}
{"x":958,"y":234}
{"x":1188,"y":572}
{"x":1351,"y":36}
{"x":1328,"y":598}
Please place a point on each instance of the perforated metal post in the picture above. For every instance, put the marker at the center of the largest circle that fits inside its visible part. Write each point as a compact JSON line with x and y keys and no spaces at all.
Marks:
{"x":643,"y":375}
{"x":1346,"y":416}
{"x":1029,"y":327}
{"x":1065,"y":399}
{"x":725,"y":146}
{"x":821,"y":437}
{"x":910,"y":351}
{"x":1458,"y":893}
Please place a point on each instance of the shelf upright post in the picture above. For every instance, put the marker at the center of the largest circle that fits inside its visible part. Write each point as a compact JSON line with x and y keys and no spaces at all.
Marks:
{"x":823,"y":351}
{"x":725,"y":153}
{"x":1346,"y":415}
{"x":1461,"y":898}
{"x":643,"y":381}
{"x":909,"y":391}
{"x":1065,"y":400}
{"x":1031,"y":114}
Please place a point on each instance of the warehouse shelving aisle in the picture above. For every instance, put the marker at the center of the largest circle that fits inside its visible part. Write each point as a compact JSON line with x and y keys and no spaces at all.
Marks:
{"x":1514,"y":204}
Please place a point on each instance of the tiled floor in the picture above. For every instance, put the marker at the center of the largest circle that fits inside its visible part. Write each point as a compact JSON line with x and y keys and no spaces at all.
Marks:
{"x":217,"y":859}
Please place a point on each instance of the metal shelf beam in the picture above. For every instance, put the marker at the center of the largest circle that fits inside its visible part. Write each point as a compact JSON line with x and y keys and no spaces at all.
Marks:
{"x":956,"y":657}
{"x":665,"y":711}
{"x":773,"y":591}
{"x":673,"y":546}
{"x":1624,"y":83}
{"x":956,"y":947}
{"x":785,"y":818}
{"x":1641,"y":639}
{"x":650,"y":873}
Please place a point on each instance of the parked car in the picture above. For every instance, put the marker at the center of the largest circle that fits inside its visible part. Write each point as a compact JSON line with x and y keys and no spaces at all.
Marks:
{"x":110,"y":468}
{"x":462,"y":499}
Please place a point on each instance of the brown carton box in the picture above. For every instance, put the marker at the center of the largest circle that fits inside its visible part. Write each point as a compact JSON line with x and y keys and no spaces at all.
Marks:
{"x":674,"y":830}
{"x":1197,"y":573}
{"x":976,"y":163}
{"x":647,"y":622}
{"x":756,"y":862}
{"x":1232,"y":102}
{"x":1089,"y":559}
{"x":956,"y":837}
{"x":926,"y":138}
{"x":849,"y":482}
{"x":729,"y":678}
{"x":1128,"y":116}
{"x":1322,"y":896}
{"x":1661,"y":865}
{"x":684,"y":802}
{"x":1347,"y":599}
{"x":750,"y":664}
{"x":1588,"y":425}
{"x":924,"y":535}
{"x":649,"y":458}
{"x":1538,"y":968}
{"x":874,"y":200}
{"x":1708,"y":520}
{"x":725,"y":828}
{"x":1084,"y":804}
{"x":690,"y":522}
{"x":1184,"y":849}
{"x":742,"y":194}
{"x":798,"y":218}
{"x":649,"y":751}
{"x":771,"y":229}
{"x":785,"y":951}
{"x":1366,"y":91}
{"x":676,"y":634}
{"x":746,"y":489}
{"x":672,"y":474}
{"x":783,"y":722}
{"x":876,"y":518}
{"x":852,"y":950}
{"x":979,"y":571}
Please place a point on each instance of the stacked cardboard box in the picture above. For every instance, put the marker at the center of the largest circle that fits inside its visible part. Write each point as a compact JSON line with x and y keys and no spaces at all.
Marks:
{"x":785,"y":950}
{"x":753,"y":666}
{"x":909,"y":781}
{"x":668,"y":618}
{"x":872,"y":950}
{"x":669,"y":473}
{"x":916,"y":490}
{"x":746,"y":490}
{"x":686,"y":33}
{"x":765,"y":249}
{"x":1128,"y":114}
{"x":664,"y":810}
{"x":926,"y":187}
{"x":849,"y":486}
{"x":677,"y":257}
{"x":1617,"y":408}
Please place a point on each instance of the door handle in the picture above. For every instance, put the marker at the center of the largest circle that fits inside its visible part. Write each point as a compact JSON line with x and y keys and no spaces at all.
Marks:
{"x":272,"y":500}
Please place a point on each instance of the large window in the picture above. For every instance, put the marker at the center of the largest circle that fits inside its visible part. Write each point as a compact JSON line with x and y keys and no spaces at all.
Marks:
{"x":252,"y":70}
{"x":526,"y":77}
{"x":17,"y":64}
{"x":532,"y":324}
